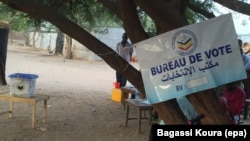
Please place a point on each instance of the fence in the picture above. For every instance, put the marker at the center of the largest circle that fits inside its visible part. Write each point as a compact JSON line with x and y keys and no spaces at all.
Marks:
{"x":47,"y":41}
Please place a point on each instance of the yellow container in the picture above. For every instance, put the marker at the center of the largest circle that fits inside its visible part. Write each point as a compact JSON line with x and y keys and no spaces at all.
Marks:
{"x":117,"y":95}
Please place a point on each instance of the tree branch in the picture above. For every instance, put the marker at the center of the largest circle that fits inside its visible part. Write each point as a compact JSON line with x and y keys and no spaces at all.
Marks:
{"x":165,"y":13}
{"x":131,"y":21}
{"x":201,"y":11}
{"x":236,"y":5}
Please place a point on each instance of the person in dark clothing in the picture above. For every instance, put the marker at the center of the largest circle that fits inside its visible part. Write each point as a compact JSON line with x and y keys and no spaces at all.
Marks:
{"x":246,"y":82}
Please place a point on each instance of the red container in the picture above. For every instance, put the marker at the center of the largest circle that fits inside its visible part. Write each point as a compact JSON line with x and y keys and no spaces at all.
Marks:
{"x":116,"y":84}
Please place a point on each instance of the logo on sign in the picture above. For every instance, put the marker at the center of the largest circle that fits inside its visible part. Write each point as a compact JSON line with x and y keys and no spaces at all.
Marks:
{"x":184,"y":42}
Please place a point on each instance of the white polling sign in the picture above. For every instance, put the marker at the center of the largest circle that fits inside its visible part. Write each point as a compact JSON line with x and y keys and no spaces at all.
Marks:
{"x":190,"y":59}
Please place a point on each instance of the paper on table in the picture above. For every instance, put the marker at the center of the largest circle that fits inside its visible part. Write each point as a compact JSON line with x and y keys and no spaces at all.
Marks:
{"x":146,"y":102}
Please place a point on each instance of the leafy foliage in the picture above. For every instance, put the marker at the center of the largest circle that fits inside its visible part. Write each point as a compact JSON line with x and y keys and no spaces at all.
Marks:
{"x":20,"y":21}
{"x":87,"y":14}
{"x":146,"y":21}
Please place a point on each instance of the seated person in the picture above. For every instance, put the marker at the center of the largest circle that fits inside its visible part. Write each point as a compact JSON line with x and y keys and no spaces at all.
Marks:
{"x":233,"y":101}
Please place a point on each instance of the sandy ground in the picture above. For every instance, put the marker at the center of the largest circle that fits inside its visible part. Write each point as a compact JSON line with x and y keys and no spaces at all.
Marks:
{"x":80,"y":106}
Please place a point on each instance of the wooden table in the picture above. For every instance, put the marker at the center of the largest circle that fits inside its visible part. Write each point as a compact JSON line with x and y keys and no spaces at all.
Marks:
{"x":125,"y":94}
{"x":126,"y":90}
{"x":141,"y":107}
{"x":33,"y":101}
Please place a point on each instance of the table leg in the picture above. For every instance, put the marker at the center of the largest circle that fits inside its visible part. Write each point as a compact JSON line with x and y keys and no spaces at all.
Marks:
{"x":124,"y":96}
{"x":150,"y":116}
{"x":11,"y":109}
{"x":139,"y":120}
{"x":33,"y":115}
{"x":45,"y":111}
{"x":126,"y":113}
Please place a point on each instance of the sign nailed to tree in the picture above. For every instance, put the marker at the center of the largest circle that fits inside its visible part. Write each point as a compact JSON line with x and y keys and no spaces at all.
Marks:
{"x":190,"y":59}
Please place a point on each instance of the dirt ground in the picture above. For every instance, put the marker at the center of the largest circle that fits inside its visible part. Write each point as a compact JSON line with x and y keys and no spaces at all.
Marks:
{"x":80,"y":107}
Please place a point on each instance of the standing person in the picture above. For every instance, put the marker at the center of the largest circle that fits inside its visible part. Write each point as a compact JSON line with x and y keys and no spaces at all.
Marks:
{"x":246,"y":82}
{"x":245,"y":57}
{"x":125,"y":50}
{"x":246,"y":48}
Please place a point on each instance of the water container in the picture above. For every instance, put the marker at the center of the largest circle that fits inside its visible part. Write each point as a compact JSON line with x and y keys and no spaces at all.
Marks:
{"x":116,"y":95}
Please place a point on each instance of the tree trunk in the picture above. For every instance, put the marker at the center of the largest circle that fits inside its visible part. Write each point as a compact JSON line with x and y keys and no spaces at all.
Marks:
{"x":34,"y":40}
{"x":69,"y":53}
{"x":207,"y":103}
{"x":59,"y":43}
{"x":128,"y":12}
{"x":4,"y":32}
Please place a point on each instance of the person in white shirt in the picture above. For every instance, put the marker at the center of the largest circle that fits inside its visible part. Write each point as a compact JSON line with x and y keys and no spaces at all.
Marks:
{"x":125,"y":50}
